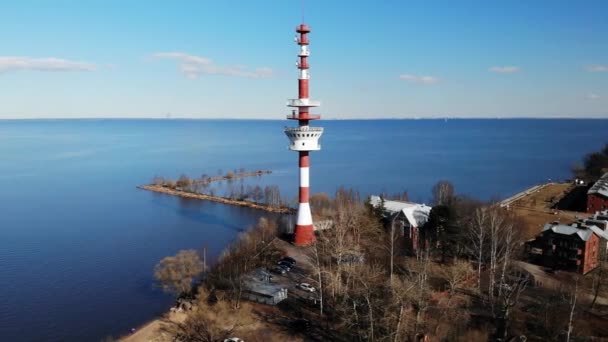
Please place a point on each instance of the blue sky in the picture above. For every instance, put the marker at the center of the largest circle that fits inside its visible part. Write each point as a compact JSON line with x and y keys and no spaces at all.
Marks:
{"x":369,"y":59}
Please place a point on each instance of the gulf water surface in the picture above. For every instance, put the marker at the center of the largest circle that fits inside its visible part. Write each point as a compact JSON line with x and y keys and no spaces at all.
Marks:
{"x":78,"y":241}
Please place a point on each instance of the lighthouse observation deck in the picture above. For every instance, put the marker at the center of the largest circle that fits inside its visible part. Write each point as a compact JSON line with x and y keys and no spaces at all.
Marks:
{"x":302,"y":103}
{"x":304,"y":138}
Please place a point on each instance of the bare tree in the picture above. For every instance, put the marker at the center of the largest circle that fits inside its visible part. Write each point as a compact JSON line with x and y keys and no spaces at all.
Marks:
{"x":508,"y":246}
{"x":455,"y":274}
{"x":210,"y":320}
{"x":314,"y":252}
{"x":176,"y":273}
{"x":257,"y":194}
{"x":422,"y":297}
{"x":477,"y":238}
{"x":404,"y":290}
{"x":158,"y":181}
{"x":272,"y":195}
{"x":248,"y":194}
{"x":572,"y":302}
{"x":443,"y":193}
{"x":599,"y":277}
{"x":509,"y":297}
{"x":401,"y":196}
{"x":251,"y":249}
{"x":183,"y":182}
{"x":394,"y":236}
{"x":320,"y":204}
{"x":495,"y":222}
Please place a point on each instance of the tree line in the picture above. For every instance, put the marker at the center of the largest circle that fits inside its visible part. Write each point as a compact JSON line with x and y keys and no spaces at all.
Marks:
{"x":594,"y":165}
{"x":462,"y":284}
{"x":269,"y":195}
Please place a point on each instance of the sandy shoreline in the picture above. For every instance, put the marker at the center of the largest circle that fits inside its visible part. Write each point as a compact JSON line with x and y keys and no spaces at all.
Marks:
{"x":265,"y":207}
{"x":150,"y":331}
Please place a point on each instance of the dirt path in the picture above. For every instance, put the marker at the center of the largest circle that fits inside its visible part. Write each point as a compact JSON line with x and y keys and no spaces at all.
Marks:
{"x":555,"y":282}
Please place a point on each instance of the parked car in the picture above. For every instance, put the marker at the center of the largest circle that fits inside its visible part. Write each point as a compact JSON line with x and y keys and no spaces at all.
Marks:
{"x":233,"y":339}
{"x":290,"y":260}
{"x":287,"y":266}
{"x":278,"y":270}
{"x":306,"y":287}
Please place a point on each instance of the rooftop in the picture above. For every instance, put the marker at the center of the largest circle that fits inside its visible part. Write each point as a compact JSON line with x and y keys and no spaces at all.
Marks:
{"x":584,"y":232}
{"x":396,"y":206}
{"x":600,"y":216}
{"x":563,"y":229}
{"x":415,"y":213}
{"x":258,"y":281}
{"x":601,"y":186}
{"x":264,"y":289}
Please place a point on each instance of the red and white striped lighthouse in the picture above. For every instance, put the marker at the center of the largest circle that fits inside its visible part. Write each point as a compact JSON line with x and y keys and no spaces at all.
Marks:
{"x":303,"y":139}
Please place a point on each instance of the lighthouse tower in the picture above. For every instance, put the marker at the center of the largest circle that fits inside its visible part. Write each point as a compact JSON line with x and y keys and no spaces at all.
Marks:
{"x":303,"y":138}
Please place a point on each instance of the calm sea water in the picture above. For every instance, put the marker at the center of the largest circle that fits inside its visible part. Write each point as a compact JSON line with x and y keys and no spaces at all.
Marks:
{"x":78,"y":242}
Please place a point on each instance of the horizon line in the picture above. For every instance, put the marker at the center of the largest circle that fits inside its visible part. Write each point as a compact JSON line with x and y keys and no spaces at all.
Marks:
{"x":325,"y":119}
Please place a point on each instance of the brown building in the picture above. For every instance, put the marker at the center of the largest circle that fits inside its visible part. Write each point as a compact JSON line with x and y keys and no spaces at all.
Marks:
{"x":597,"y":196}
{"x":573,"y":248}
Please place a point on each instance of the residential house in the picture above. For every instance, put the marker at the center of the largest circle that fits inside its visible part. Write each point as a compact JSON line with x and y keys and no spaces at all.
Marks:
{"x":572,"y":247}
{"x":407,"y":217}
{"x":600,"y":220}
{"x":597,"y":196}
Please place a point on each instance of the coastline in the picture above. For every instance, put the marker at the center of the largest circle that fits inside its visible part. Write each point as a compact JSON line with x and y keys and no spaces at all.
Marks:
{"x":149,"y":331}
{"x":198,"y":196}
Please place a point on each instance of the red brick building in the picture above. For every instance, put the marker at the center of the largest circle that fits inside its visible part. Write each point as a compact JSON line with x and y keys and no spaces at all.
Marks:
{"x":573,"y":248}
{"x":597,"y":196}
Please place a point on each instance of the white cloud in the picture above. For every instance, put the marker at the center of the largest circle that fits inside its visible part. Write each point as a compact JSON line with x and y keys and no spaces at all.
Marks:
{"x":508,"y":69}
{"x":194,"y":66}
{"x":11,"y":63}
{"x":592,"y":96}
{"x":419,"y":79}
{"x":597,"y":68}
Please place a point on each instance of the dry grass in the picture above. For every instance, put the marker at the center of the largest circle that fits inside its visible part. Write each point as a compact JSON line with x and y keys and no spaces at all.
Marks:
{"x":257,"y":328}
{"x":153,"y":331}
{"x":541,"y":199}
{"x":536,"y":210}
